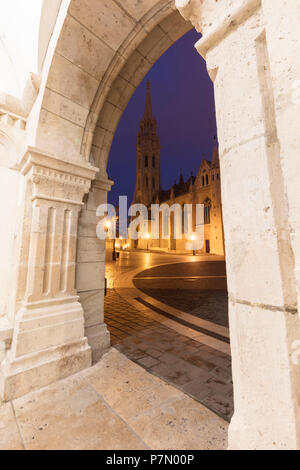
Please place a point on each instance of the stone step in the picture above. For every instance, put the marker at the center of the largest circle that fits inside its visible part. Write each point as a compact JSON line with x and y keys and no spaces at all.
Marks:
{"x":6,"y":333}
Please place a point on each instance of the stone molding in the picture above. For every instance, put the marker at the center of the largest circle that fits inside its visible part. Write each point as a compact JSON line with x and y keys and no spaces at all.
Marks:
{"x":191,"y":11}
{"x":56,"y":180}
{"x":36,"y":156}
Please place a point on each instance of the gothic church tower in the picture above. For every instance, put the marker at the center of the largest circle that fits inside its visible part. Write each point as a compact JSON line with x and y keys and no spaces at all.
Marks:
{"x":147,"y":156}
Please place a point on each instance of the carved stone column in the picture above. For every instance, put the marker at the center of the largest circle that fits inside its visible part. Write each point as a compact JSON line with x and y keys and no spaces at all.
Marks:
{"x":48,"y":340}
{"x":251,"y":58}
{"x":90,"y":273}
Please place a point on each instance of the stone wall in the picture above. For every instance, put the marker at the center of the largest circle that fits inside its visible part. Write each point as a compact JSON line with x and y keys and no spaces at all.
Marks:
{"x":246,"y":60}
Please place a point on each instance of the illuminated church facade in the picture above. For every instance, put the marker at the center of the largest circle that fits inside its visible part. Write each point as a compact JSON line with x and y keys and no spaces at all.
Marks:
{"x":205,"y":188}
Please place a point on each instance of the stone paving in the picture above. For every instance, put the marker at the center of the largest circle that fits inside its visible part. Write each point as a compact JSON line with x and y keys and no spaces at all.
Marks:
{"x":198,"y":370}
{"x":154,"y":389}
{"x":115,"y":405}
{"x":207,"y":304}
{"x":179,"y":286}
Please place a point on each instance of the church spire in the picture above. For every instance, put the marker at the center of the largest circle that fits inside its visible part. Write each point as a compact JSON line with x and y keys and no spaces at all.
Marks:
{"x":181,"y":180}
{"x":148,"y":105}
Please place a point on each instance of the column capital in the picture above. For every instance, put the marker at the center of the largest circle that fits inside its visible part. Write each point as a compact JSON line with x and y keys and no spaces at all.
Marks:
{"x":55,"y":179}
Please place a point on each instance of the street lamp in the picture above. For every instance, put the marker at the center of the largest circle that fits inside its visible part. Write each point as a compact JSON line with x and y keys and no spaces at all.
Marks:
{"x":107,"y":225}
{"x":193,"y":239}
{"x":114,"y":255}
{"x":107,"y":228}
{"x":147,"y":238}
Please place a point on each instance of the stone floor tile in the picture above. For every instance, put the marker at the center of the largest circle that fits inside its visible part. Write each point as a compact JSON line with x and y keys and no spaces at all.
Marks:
{"x":199,"y":388}
{"x":71,"y":415}
{"x":177,"y":374}
{"x":181,"y":424}
{"x":136,"y":355}
{"x":154,"y":352}
{"x":10,"y":438}
{"x":127,"y":387}
{"x":148,"y":362}
{"x":219,"y":404}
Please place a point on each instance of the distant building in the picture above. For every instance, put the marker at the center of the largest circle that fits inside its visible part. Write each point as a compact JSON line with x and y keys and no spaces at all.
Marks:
{"x":204,"y":189}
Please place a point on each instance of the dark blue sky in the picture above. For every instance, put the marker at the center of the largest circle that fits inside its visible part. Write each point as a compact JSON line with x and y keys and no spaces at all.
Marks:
{"x":183,"y":104}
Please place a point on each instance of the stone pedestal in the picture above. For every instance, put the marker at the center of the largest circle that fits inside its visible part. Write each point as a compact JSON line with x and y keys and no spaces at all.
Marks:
{"x":48,"y":341}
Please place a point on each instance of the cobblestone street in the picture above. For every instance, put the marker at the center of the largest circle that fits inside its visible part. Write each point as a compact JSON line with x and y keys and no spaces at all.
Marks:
{"x":200,"y":371}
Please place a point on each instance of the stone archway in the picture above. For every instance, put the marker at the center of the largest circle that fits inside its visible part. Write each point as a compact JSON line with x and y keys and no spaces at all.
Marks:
{"x":98,"y":54}
{"x":81,"y":98}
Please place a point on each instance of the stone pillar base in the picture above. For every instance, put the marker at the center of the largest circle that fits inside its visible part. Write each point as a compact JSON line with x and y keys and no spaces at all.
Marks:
{"x":48,"y":345}
{"x":22,"y":375}
{"x":99,"y":340}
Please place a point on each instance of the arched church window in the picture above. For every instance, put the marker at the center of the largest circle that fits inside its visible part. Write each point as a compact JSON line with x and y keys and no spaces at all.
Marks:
{"x":207,"y":215}
{"x":147,"y":181}
{"x":207,"y":206}
{"x":206,"y":179}
{"x":203,"y":181}
{"x":153,"y":162}
{"x":146,"y":161}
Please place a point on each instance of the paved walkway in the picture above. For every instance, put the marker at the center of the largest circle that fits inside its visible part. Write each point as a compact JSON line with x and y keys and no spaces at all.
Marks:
{"x":122,"y":402}
{"x":198,"y":370}
{"x":115,"y":405}
{"x":176,"y":349}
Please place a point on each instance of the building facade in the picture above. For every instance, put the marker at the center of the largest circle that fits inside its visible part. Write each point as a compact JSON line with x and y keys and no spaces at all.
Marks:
{"x":204,"y":189}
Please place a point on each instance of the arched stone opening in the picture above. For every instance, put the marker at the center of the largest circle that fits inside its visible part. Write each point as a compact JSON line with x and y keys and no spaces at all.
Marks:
{"x":111,"y":100}
{"x":257,"y":104}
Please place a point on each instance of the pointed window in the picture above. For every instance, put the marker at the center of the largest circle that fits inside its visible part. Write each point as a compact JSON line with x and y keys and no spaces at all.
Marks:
{"x":146,"y":161}
{"x":207,"y":214}
{"x":206,"y":179}
{"x":207,"y":206}
{"x":146,"y":181}
{"x":153,"y":162}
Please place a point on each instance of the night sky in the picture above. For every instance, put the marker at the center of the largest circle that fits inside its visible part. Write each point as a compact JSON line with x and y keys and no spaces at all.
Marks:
{"x":183,"y":104}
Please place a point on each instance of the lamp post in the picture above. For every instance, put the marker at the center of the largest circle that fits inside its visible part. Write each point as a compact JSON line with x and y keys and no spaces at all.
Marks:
{"x":114,"y":251}
{"x":107,"y":227}
{"x":193,"y":239}
{"x":147,"y":238}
